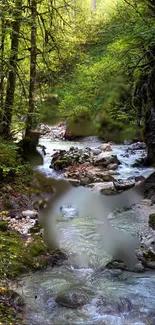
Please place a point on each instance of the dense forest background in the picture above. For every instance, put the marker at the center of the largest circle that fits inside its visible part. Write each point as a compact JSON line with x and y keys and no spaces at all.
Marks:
{"x":86,"y":62}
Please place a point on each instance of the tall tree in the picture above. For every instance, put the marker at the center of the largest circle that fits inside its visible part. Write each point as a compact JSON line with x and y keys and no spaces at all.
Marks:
{"x":11,"y":80}
{"x":93,"y":4}
{"x":31,"y":118}
{"x":2,"y":64}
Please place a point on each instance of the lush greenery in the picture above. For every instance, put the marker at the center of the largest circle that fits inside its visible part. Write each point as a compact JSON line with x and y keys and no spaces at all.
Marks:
{"x":78,"y":61}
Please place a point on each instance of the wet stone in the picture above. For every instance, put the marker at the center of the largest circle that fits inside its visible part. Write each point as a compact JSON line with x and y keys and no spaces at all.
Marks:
{"x":68,"y":212}
{"x":72,"y":299}
{"x":110,"y":306}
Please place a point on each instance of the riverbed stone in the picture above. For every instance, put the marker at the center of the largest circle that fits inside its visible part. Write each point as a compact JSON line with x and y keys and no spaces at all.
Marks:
{"x":124,"y":184}
{"x":64,"y":158}
{"x":68,"y":211}
{"x":110,"y":305}
{"x":30,"y":213}
{"x":112,"y":166}
{"x":128,"y":142}
{"x":72,"y":299}
{"x":96,"y":151}
{"x":104,"y":159}
{"x":138,"y":146}
{"x":106,"y":188}
{"x":74,"y":182}
{"x":105,"y":147}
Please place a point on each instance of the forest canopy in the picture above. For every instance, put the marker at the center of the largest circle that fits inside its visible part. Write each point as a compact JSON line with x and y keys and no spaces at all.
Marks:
{"x":77,"y":61}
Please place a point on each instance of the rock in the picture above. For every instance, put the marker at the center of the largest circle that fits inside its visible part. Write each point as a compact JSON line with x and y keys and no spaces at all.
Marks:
{"x":85,"y":180}
{"x":139,"y":162}
{"x":96,"y":151}
{"x":87,"y":174}
{"x":74,"y":156}
{"x":139,"y":178}
{"x":30,"y":213}
{"x":139,"y":268}
{"x":114,"y":306}
{"x":74,"y":182}
{"x":124,"y":184}
{"x":106,"y":188}
{"x":128,"y":142}
{"x":105,"y":147}
{"x":148,"y":258}
{"x":53,"y":132}
{"x":104,"y":159}
{"x":72,"y":299}
{"x":68,"y":211}
{"x":138,"y":146}
{"x":112,"y":166}
{"x":115,"y":264}
{"x":152,"y":220}
{"x":150,"y":188}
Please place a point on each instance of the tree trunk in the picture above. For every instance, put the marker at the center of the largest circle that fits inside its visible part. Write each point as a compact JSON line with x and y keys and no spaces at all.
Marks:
{"x":31,"y":118}
{"x":93,"y":4}
{"x":11,"y":82}
{"x":2,"y":70}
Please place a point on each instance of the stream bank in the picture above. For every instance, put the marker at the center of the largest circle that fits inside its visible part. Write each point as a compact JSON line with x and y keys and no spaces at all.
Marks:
{"x":78,"y":292}
{"x":91,"y":293}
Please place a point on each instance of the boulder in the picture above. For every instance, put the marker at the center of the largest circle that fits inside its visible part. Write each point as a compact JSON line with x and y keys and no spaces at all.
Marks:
{"x":104,"y":175}
{"x":30,"y":213}
{"x":74,"y":182}
{"x":68,"y":211}
{"x":105,"y":147}
{"x":96,"y":151}
{"x":128,"y":142}
{"x":63,"y":159}
{"x":112,"y":305}
{"x":112,"y":166}
{"x":85,"y":180}
{"x":124,"y":184}
{"x":72,"y":299}
{"x":104,"y":159}
{"x":106,"y":188}
{"x":148,"y":258}
{"x":138,"y":146}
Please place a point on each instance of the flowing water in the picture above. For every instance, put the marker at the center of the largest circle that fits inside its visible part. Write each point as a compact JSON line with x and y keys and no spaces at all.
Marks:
{"x":112,"y":297}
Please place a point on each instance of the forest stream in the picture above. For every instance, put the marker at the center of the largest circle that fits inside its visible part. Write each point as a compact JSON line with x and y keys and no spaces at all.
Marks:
{"x":82,"y":291}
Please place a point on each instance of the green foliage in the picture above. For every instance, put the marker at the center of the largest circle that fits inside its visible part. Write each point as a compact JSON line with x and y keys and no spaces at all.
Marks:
{"x":12,"y":166}
{"x":18,"y":257}
{"x":88,"y":62}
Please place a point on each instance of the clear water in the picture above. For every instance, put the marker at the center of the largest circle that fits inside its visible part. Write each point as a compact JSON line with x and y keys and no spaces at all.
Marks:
{"x":114,"y":297}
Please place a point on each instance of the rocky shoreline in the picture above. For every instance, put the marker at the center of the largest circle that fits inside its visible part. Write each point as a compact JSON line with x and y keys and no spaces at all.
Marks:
{"x":95,"y":168}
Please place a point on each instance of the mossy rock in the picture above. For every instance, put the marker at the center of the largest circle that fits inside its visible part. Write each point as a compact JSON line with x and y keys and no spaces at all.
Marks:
{"x":149,"y":255}
{"x":152,"y":220}
{"x":16,"y":257}
{"x":61,"y":163}
{"x":3,"y":225}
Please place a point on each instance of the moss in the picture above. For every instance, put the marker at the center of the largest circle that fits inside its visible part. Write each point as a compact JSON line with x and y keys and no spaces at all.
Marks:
{"x":3,"y":225}
{"x":36,"y":247}
{"x":11,"y":307}
{"x":149,"y":255}
{"x":17,"y":257}
{"x":152,"y":221}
